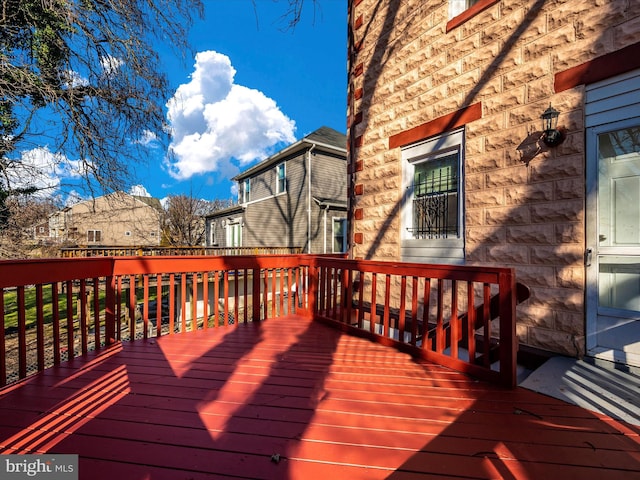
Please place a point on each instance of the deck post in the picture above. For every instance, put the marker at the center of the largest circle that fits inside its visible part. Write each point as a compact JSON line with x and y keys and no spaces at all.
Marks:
{"x":508,"y":338}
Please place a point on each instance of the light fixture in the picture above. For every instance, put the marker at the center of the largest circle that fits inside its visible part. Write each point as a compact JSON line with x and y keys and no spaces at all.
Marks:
{"x":551,"y":136}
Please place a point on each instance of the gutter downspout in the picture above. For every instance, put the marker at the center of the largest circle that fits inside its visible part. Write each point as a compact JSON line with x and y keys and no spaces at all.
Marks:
{"x":309,"y":198}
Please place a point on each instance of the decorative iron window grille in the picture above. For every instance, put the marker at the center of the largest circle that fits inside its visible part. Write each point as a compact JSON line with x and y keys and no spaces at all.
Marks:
{"x":435,"y":200}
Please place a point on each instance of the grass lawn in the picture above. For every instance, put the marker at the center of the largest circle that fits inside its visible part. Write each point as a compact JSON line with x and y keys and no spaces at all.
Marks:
{"x":11,"y":304}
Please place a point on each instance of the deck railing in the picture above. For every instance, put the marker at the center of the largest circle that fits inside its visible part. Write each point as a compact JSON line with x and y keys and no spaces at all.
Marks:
{"x":125,"y":251}
{"x":56,"y":309}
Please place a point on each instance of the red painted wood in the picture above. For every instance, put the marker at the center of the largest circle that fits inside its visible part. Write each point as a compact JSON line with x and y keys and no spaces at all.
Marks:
{"x":469,"y":13}
{"x":221,"y":403}
{"x":96,"y":312}
{"x":40,"y":327}
{"x":145,"y":309}
{"x":55,"y":322}
{"x":22,"y":335}
{"x":183,"y":302}
{"x":172,"y":302}
{"x":3,"y":351}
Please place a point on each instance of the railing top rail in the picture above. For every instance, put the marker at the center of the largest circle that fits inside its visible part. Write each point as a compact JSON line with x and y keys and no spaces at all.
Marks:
{"x":453,"y":272}
{"x":33,"y":271}
{"x":14,"y":273}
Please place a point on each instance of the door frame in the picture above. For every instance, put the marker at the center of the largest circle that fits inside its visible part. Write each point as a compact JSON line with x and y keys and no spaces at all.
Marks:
{"x":593,"y":252}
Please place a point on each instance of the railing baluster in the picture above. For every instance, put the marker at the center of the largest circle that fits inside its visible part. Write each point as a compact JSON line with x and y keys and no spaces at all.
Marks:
{"x":265,"y":293}
{"x":172,"y":303}
{"x":158,"y":305}
{"x":273,"y":293}
{"x":387,"y":297}
{"x":439,"y":317}
{"x":236,"y":297}
{"x":226,"y":297}
{"x":3,"y":346}
{"x":471,"y":321}
{"x":40,"y":326}
{"x":205,"y":300}
{"x":22,"y":334}
{"x":414,"y":310}
{"x":454,"y":321}
{"x":486,"y":324}
{"x":145,"y":306}
{"x":245,"y":306}
{"x":55,"y":322}
{"x":216,"y":299}
{"x":361,"y":277}
{"x":132,"y":307}
{"x":183,"y":303}
{"x":195,"y":279}
{"x":374,"y":303}
{"x":403,"y":306}
{"x":70,"y":330}
{"x":82,"y":306}
{"x":426,"y":341}
{"x":96,"y":313}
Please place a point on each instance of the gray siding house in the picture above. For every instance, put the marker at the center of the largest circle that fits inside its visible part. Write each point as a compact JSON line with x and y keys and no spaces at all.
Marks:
{"x":294,"y":198}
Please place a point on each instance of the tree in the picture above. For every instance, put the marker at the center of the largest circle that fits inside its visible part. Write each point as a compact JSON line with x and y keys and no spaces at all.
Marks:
{"x":83,"y":77}
{"x":24,"y":214}
{"x":184,"y":223}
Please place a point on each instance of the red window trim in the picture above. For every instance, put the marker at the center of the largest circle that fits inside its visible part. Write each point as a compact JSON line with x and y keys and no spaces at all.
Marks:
{"x":600,"y":68}
{"x":437,"y":126}
{"x":470,"y":13}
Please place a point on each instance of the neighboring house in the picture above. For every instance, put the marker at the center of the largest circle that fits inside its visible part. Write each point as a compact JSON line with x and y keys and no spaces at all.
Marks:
{"x":295,"y":198}
{"x":117,"y":219}
{"x":450,"y":165}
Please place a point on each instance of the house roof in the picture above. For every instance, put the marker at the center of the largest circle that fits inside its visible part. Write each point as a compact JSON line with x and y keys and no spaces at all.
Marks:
{"x":324,"y":138}
{"x":226,"y":211}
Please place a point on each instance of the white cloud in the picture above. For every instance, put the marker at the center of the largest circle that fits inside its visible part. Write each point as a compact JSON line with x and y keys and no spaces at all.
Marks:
{"x":213,"y":120}
{"x":139,"y":191}
{"x":110,"y":65}
{"x":42,"y":169}
{"x":148,"y":138}
{"x":74,"y":80}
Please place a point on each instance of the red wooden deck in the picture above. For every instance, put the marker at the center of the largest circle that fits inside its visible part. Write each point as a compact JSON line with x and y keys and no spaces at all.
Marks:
{"x":226,"y":403}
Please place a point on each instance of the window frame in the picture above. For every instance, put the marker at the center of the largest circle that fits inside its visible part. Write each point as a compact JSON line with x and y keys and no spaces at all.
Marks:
{"x":342,"y":220}
{"x":433,"y":250}
{"x":93,"y":234}
{"x":246,"y":190}
{"x":281,"y":188}
{"x":457,"y":17}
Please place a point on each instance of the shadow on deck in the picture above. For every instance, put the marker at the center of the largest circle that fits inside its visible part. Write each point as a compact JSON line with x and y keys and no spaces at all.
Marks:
{"x":290,"y":398}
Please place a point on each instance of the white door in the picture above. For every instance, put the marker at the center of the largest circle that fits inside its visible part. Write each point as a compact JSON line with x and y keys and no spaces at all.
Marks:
{"x":613,"y":230}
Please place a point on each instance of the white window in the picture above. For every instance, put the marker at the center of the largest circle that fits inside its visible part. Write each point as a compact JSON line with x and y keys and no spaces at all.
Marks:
{"x":94,"y":235}
{"x":456,"y":7}
{"x":246,"y":191}
{"x":234,"y":234}
{"x":281,"y":179}
{"x":339,"y":235}
{"x":432,"y":214}
{"x":212,"y":233}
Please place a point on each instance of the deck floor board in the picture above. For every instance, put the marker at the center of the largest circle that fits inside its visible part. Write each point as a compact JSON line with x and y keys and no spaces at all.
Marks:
{"x":221,"y":403}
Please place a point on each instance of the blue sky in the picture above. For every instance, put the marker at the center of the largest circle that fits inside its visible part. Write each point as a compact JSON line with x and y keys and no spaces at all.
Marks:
{"x":251,"y":88}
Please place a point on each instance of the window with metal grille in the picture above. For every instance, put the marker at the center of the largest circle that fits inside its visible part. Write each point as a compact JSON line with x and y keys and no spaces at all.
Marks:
{"x":435,"y":198}
{"x":432,"y":209}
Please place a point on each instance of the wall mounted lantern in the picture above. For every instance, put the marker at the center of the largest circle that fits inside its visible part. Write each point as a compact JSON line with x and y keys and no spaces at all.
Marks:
{"x":551,"y":136}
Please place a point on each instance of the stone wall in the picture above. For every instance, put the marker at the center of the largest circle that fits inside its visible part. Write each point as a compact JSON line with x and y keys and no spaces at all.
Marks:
{"x":411,"y":69}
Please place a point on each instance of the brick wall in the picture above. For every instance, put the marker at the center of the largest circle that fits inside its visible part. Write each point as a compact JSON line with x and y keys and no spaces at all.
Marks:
{"x":413,"y":72}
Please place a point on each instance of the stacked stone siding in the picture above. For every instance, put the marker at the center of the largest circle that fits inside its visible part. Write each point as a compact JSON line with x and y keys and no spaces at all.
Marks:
{"x":524,"y":206}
